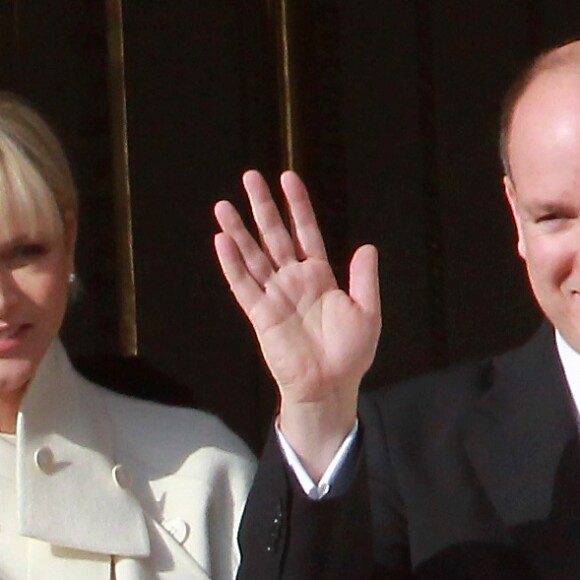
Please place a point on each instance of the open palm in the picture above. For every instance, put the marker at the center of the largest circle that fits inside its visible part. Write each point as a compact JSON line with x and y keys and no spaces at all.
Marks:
{"x":317,"y":340}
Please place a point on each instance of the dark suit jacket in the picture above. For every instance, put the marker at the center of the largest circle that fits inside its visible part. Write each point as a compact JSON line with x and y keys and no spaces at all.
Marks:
{"x":472,"y":473}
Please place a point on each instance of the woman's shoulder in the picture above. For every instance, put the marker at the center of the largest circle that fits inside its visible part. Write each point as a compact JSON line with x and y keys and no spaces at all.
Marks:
{"x":169,"y":438}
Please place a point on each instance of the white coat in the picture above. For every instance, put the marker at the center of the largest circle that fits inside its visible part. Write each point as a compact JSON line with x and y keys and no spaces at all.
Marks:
{"x":123,"y":489}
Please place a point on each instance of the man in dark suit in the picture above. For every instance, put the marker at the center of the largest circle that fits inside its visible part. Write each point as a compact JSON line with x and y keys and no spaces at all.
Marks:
{"x":472,"y":472}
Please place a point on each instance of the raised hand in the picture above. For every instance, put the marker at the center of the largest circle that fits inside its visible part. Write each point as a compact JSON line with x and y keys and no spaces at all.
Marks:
{"x":317,"y":340}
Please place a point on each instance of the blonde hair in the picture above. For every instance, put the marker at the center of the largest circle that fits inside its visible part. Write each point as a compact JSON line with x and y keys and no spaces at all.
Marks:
{"x":36,"y":184}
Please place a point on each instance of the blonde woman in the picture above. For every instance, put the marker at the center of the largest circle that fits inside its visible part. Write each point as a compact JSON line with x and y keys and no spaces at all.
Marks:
{"x":93,"y":484}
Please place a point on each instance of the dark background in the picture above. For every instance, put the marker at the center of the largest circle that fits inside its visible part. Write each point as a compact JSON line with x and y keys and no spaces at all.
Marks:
{"x":397,"y":105}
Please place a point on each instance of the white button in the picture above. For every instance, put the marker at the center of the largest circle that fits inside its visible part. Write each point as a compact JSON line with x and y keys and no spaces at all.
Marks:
{"x":122,"y":477}
{"x":178,"y":528}
{"x":44,"y":459}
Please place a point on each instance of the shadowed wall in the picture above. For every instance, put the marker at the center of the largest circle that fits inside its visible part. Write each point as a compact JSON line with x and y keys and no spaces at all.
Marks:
{"x":395,"y":110}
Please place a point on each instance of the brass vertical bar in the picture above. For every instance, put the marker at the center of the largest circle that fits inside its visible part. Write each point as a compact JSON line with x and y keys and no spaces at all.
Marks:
{"x":286,"y":76}
{"x":128,"y":337}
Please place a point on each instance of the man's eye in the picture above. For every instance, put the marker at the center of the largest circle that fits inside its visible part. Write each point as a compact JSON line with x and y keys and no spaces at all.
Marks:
{"x":552,"y":217}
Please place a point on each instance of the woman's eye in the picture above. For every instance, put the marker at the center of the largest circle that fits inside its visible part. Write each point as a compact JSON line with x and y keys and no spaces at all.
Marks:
{"x":26,"y":253}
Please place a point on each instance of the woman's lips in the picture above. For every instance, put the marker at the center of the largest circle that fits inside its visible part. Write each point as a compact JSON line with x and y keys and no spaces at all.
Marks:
{"x":11,"y":336}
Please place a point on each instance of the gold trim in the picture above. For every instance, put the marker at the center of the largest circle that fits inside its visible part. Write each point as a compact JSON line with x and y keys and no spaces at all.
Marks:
{"x":128,"y":338}
{"x":286,"y":76}
{"x":287,"y":108}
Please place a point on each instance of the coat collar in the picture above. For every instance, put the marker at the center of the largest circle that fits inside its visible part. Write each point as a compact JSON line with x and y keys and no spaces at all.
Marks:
{"x":67,"y":493}
{"x":523,"y":436}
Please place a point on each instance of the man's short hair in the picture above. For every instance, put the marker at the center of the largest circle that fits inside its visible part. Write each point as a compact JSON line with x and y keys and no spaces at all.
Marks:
{"x":565,"y":55}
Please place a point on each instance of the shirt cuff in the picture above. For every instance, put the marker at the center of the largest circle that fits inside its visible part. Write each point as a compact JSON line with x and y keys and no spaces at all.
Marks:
{"x":312,"y":490}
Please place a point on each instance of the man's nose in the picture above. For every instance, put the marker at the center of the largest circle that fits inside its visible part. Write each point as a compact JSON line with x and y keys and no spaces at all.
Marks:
{"x":575,"y":239}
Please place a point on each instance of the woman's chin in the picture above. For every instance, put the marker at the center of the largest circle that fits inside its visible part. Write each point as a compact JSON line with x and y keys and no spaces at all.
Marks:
{"x":14,"y":376}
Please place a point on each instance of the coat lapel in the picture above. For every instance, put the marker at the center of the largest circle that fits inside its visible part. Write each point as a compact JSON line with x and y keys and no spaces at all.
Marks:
{"x":47,"y":561}
{"x":172,"y":564}
{"x":523,"y":444}
{"x":71,"y":499}
{"x":67,"y":491}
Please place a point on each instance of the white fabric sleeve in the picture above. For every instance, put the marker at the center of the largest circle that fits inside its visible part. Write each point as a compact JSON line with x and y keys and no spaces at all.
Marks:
{"x":312,"y":490}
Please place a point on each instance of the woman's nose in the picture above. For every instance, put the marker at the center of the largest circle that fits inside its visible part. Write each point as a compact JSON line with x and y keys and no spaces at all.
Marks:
{"x":8,"y":291}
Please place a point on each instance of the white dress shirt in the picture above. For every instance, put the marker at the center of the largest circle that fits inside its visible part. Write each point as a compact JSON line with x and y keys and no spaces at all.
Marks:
{"x":311,"y":489}
{"x":570,"y":359}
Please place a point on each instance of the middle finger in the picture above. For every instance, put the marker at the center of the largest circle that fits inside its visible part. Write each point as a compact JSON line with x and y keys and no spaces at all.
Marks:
{"x":276,"y":239}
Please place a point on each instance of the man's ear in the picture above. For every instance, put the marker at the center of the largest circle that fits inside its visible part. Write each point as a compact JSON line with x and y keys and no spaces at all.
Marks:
{"x":510,"y":193}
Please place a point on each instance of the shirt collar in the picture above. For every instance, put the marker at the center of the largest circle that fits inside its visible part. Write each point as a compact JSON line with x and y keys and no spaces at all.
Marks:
{"x":570,"y":359}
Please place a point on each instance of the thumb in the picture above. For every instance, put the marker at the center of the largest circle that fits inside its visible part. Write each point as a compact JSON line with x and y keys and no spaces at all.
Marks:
{"x":364,"y":279}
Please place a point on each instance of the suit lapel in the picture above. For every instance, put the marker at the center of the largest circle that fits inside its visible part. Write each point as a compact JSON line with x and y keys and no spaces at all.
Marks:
{"x":523,"y":444}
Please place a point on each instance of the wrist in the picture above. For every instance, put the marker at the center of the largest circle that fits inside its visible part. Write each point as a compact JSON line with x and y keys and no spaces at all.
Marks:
{"x":316,"y":430}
